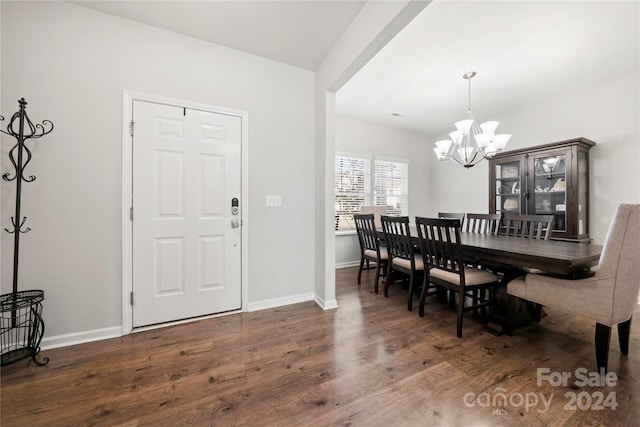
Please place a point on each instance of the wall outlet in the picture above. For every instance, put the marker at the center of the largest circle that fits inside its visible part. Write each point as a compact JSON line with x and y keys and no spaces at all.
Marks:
{"x":274,"y":200}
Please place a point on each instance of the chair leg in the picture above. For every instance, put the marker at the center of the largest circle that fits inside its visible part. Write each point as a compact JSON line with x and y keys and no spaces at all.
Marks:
{"x":387,"y":281}
{"x":460,"y":314}
{"x":377,"y":275}
{"x":410,"y":303}
{"x":491,"y":301}
{"x":360,"y":269}
{"x":423,"y":294}
{"x":603,"y":336}
{"x":624,"y":329}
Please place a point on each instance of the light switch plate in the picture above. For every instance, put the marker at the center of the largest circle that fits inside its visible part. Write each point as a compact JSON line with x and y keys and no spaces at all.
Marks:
{"x":274,"y":200}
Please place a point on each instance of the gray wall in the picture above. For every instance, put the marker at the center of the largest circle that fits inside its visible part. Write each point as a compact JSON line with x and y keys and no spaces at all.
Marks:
{"x":361,"y":137}
{"x":72,"y":64}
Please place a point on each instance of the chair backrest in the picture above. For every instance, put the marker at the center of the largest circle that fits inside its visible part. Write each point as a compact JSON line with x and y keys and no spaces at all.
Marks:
{"x":620,"y":260}
{"x":367,"y":234}
{"x":531,"y":226}
{"x":377,"y":212}
{"x":397,"y":236}
{"x":440,"y":244}
{"x":452,"y":215}
{"x":481,"y":223}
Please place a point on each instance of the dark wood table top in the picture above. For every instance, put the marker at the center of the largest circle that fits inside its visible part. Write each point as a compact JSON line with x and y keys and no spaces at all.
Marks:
{"x":553,"y":256}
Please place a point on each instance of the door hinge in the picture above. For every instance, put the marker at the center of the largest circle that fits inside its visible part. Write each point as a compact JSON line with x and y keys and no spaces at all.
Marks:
{"x":131,"y":125}
{"x":131,"y":298}
{"x":131,"y":213}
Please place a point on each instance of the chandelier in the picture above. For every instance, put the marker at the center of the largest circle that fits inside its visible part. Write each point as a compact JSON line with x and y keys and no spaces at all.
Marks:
{"x":470,"y":143}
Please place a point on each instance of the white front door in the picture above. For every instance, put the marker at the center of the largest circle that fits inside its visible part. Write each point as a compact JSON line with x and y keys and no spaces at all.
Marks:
{"x":186,"y":236}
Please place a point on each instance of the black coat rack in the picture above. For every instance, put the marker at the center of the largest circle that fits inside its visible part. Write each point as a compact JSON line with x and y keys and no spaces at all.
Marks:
{"x":21,"y":324}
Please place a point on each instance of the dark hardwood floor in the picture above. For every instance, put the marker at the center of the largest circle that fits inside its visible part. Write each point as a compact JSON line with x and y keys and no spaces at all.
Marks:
{"x":368,"y":363}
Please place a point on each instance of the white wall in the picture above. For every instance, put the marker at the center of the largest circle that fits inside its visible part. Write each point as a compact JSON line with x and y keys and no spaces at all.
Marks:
{"x":361,"y":137}
{"x":72,"y":64}
{"x":607,"y":113}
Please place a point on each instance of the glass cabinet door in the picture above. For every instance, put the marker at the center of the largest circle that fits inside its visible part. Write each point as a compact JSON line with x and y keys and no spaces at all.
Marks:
{"x":508,"y":187}
{"x":549,"y":189}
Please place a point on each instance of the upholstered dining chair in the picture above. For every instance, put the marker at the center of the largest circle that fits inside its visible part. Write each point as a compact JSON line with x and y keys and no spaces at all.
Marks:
{"x":402,"y":254}
{"x":441,"y":248}
{"x":370,"y":248}
{"x":608,"y":298}
{"x":531,"y":226}
{"x":481,"y":223}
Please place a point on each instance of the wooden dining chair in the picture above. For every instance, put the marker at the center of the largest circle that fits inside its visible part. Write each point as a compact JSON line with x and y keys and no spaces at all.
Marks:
{"x":370,"y":248}
{"x":609,"y":297}
{"x":452,"y":215}
{"x":481,"y":223}
{"x":531,"y":226}
{"x":377,"y":212}
{"x":441,"y":248}
{"x":402,"y":254}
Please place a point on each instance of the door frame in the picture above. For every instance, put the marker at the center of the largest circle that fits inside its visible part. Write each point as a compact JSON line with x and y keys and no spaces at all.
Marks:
{"x":127,"y":184}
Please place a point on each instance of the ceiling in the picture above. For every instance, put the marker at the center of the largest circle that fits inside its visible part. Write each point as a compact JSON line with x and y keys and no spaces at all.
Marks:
{"x":521,"y":51}
{"x":298,"y":33}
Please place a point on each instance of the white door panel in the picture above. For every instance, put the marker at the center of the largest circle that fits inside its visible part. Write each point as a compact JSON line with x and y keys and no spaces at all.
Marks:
{"x":186,"y":255}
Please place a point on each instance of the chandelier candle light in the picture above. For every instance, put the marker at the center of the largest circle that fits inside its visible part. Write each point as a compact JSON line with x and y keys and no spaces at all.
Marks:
{"x":465,"y":150}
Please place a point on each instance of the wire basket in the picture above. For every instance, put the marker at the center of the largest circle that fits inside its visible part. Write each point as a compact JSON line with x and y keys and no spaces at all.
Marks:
{"x":21,"y":326}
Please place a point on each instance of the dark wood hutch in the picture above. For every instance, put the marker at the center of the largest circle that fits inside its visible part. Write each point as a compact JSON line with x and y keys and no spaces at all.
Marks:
{"x":550,"y":179}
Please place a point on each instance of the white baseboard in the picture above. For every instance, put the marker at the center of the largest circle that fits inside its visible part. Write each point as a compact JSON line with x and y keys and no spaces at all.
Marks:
{"x":348,"y":264}
{"x":326,"y":305}
{"x":279,"y":302}
{"x":80,"y":337}
{"x":116,"y":331}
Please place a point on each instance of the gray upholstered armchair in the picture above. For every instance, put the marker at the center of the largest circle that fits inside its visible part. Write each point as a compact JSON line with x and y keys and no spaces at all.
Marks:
{"x":609,"y":297}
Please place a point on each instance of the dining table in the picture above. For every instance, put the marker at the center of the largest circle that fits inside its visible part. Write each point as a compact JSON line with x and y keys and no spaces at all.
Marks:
{"x":563,"y":258}
{"x":559,"y":257}
{"x":514,"y":256}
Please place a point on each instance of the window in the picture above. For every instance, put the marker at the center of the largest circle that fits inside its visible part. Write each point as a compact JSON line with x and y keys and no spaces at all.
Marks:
{"x":391,"y":186}
{"x":353,"y":187}
{"x":354,"y":182}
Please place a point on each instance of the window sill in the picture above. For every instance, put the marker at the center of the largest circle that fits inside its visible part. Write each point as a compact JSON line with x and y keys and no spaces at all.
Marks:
{"x":345,"y":232}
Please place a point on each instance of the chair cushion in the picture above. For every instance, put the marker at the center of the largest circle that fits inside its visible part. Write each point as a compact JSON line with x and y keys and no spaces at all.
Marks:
{"x":406,"y":264}
{"x":472,"y":276}
{"x":591,"y":297}
{"x":516,"y":287}
{"x":369,"y":253}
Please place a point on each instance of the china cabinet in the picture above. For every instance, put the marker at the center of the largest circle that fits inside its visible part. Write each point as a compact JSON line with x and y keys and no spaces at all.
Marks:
{"x":550,"y":179}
